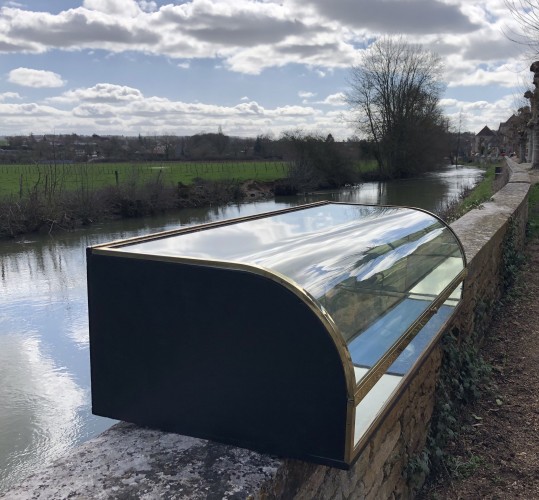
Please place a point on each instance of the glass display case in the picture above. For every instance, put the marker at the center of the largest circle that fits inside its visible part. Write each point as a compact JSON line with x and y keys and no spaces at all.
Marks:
{"x":289,"y":332}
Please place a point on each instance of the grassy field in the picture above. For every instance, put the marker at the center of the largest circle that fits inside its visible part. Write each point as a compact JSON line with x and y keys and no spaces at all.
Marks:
{"x":15,"y":179}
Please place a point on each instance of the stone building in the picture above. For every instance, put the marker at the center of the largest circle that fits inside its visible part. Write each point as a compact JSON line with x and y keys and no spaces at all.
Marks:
{"x":513,"y":134}
{"x":510,"y":138}
{"x":486,"y":142}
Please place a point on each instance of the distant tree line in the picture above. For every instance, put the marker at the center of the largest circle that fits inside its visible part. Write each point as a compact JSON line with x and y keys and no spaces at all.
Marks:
{"x":205,"y":146}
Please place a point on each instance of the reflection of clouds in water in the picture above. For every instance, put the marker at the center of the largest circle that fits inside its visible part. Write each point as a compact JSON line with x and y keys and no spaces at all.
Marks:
{"x":77,"y":331}
{"x":39,"y":417}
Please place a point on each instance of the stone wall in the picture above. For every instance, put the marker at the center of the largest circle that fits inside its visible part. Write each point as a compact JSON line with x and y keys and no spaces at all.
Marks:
{"x":130,"y":462}
{"x":485,"y":233}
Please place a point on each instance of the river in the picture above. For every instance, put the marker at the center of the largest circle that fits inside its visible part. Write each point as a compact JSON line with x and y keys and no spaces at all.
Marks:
{"x":44,"y":352}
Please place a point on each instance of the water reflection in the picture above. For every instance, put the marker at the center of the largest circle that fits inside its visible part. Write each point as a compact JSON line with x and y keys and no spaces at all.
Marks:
{"x":40,"y":415}
{"x":44,"y":360}
{"x":44,"y":370}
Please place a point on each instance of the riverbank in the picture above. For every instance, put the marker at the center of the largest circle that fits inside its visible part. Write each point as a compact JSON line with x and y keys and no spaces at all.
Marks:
{"x":47,"y":211}
{"x":496,"y":454}
{"x":48,"y":207}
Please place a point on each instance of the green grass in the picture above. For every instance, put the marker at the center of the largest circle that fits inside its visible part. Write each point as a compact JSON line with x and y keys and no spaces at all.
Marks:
{"x":533,"y":212}
{"x":71,"y":177}
{"x":482,"y":192}
{"x":465,"y":468}
{"x":366,"y":167}
{"x":473,"y":198}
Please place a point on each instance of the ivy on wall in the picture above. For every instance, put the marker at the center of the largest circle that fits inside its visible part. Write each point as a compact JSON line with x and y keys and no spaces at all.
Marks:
{"x":464,"y":374}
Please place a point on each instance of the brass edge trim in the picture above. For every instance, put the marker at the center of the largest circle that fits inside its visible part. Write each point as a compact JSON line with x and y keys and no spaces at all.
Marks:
{"x":378,"y":370}
{"x":349,"y":431}
{"x":201,"y":227}
{"x":401,"y":387}
{"x":306,"y":297}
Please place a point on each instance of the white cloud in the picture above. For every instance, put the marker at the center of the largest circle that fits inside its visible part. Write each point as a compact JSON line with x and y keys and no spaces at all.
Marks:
{"x":114,"y":7}
{"x":102,"y":92}
{"x":124,"y":110}
{"x":9,"y":95}
{"x":248,"y":36}
{"x":397,"y":17}
{"x":36,"y":78}
{"x":77,"y":28}
{"x":477,"y":114}
{"x":504,"y":75}
{"x":29,"y":111}
{"x":448,"y":102}
{"x":337,"y":99}
{"x":98,"y":110}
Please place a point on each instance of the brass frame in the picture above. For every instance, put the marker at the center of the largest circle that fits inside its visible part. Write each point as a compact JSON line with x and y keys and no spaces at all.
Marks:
{"x":356,"y":390}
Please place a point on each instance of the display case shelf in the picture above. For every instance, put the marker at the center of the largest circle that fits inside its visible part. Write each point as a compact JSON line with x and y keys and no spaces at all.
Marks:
{"x":289,"y":332}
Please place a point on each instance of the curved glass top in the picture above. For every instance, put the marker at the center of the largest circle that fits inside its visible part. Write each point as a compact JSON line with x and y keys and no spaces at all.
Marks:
{"x":373,"y":269}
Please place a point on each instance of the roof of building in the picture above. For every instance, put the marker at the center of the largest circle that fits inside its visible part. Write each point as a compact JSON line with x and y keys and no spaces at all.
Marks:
{"x":485,"y":131}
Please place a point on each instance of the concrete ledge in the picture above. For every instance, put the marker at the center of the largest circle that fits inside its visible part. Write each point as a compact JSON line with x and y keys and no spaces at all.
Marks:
{"x":478,"y":226}
{"x":127,"y":461}
{"x":483,"y":233}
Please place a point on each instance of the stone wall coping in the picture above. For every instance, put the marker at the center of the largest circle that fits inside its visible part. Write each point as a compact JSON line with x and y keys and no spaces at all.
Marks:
{"x":127,"y":461}
{"x":476,"y":227}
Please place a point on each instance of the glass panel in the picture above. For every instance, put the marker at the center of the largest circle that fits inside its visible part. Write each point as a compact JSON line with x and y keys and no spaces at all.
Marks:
{"x":371,"y":405}
{"x":374,"y":269}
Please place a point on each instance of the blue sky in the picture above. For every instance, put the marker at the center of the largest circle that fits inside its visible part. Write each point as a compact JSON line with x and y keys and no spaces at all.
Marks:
{"x":250,"y":67}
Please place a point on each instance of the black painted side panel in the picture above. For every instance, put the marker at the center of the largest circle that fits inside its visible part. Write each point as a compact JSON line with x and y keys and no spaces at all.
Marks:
{"x":214,"y":353}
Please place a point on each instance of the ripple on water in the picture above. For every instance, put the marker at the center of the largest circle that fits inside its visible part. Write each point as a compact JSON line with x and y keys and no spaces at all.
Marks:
{"x":39,"y":417}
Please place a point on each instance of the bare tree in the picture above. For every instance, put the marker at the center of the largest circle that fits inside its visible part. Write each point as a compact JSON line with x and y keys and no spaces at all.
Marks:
{"x":526,"y":15}
{"x":395,"y":94}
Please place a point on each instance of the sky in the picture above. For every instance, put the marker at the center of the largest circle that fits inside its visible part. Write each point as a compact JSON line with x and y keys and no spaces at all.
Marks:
{"x":246,"y":67}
